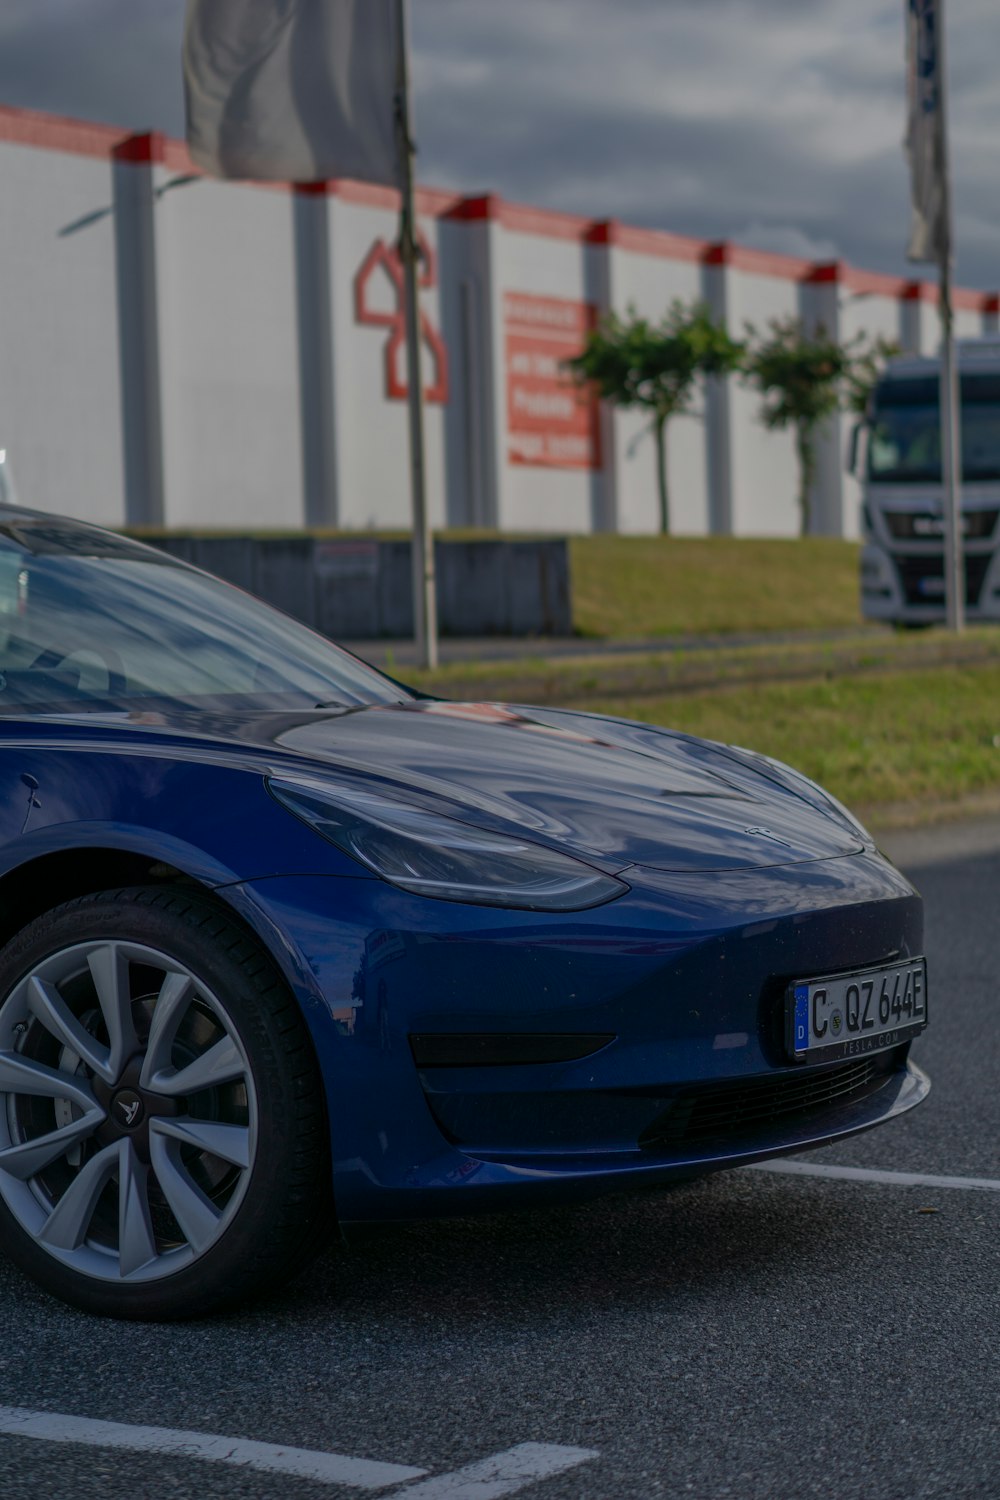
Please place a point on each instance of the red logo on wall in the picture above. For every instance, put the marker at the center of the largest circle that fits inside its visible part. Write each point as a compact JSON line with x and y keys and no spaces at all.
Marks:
{"x":551,"y":422}
{"x":384,"y":259}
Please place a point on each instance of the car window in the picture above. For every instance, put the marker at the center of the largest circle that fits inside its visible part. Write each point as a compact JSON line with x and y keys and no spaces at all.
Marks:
{"x":89,"y":622}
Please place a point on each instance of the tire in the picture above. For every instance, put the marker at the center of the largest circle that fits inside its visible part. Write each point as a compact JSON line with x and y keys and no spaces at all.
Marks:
{"x":163,"y":1141}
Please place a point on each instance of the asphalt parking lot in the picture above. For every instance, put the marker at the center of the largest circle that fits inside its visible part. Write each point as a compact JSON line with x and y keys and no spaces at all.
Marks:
{"x":755,"y":1335}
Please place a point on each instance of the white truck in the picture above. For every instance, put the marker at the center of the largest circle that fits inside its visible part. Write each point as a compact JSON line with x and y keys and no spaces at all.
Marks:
{"x":896,"y":454}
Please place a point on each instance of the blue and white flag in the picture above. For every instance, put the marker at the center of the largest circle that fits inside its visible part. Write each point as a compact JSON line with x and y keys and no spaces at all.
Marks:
{"x":293,"y":90}
{"x":925,"y":139}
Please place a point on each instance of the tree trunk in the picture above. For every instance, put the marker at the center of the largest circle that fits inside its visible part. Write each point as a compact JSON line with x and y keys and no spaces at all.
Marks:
{"x":807,"y":473}
{"x":660,"y":431}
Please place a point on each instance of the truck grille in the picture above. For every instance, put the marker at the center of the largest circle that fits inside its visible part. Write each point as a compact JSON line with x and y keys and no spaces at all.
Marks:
{"x":922,"y":578}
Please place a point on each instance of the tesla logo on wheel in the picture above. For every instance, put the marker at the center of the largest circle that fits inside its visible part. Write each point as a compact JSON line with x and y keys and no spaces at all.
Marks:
{"x":383,"y":262}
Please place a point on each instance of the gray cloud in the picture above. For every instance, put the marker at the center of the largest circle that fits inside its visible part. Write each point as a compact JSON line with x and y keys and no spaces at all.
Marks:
{"x":778,"y":119}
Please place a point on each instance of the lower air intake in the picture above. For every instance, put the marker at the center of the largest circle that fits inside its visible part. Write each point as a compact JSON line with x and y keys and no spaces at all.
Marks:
{"x":731,"y":1109}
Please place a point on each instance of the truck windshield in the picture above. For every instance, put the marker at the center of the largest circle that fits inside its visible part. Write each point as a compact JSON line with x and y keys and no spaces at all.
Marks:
{"x":905,"y":442}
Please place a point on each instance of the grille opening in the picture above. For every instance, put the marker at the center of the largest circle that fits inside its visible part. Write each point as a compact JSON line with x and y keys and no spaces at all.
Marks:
{"x":916,"y":572}
{"x":724,"y":1110}
{"x":491,"y":1049}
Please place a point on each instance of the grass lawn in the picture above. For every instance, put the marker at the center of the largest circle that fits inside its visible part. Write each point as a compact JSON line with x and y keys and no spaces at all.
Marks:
{"x":895,"y":746}
{"x":638,"y":586}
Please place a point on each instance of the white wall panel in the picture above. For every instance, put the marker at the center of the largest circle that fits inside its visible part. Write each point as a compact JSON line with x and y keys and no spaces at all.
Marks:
{"x":229,"y":378}
{"x":764,"y":468}
{"x":372,"y":434}
{"x":60,"y":407}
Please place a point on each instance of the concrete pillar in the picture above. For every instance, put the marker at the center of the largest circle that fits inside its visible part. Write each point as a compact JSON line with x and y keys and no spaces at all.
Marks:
{"x":133,"y":163}
{"x":601,"y":277}
{"x":920,"y":329}
{"x":471,"y":330}
{"x":822,"y":303}
{"x":483,"y":417}
{"x":317,"y":407}
{"x":716,"y":275}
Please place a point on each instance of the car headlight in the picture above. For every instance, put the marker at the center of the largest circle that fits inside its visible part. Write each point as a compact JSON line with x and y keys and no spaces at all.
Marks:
{"x":437,"y":856}
{"x":803,"y":786}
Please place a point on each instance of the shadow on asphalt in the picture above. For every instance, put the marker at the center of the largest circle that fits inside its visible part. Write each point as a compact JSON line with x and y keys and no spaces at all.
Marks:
{"x":730,"y":1234}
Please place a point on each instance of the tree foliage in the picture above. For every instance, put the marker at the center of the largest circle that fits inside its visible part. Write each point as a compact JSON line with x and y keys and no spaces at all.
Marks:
{"x":804,"y":377}
{"x":632,"y":362}
{"x":866,"y":367}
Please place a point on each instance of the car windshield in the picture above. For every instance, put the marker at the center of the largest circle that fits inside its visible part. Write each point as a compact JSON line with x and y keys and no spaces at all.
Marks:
{"x":905,"y":442}
{"x":90,"y":621}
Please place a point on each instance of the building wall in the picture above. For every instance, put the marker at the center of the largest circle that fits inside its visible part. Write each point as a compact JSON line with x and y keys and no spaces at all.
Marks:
{"x":545,"y":272}
{"x":229,"y":362}
{"x":60,"y":393}
{"x":372,"y":434}
{"x":764,"y":465}
{"x":182,"y":351}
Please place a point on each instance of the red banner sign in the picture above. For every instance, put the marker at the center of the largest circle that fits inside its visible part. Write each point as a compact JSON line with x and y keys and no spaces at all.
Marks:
{"x":551,"y":422}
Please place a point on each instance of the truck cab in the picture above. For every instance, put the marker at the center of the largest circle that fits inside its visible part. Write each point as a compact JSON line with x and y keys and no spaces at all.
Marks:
{"x":896,"y":456}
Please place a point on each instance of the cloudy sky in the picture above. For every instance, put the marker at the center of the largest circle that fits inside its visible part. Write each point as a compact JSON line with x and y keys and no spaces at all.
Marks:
{"x":774,"y":122}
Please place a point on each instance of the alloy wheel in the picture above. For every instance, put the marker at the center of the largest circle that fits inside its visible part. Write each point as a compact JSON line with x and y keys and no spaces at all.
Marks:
{"x":128,"y":1111}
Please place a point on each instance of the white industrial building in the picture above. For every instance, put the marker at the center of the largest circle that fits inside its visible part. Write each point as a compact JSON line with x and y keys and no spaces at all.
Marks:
{"x":180,"y":352}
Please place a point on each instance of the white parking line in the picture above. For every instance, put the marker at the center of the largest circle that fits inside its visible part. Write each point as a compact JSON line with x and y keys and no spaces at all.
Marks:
{"x":502,"y":1474}
{"x":303,"y":1463}
{"x":868,"y":1174}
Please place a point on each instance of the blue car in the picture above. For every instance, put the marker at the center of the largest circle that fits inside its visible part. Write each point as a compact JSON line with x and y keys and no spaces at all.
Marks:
{"x":286,"y":946}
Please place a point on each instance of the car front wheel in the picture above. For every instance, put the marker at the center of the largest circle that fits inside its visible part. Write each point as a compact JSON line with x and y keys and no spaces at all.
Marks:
{"x":163,"y":1142}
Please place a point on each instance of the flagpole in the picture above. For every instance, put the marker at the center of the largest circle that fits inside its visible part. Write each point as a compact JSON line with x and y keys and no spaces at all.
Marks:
{"x":951,"y":437}
{"x":424,"y":583}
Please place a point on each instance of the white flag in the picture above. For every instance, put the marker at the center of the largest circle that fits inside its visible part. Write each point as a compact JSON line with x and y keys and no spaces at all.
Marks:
{"x":293,"y":90}
{"x":925,"y":145}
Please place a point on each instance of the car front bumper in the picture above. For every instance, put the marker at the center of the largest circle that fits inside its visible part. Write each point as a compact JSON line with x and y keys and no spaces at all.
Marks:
{"x":674,"y":994}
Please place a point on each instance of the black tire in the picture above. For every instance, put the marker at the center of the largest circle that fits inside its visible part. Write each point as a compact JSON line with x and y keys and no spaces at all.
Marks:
{"x":274,"y":1208}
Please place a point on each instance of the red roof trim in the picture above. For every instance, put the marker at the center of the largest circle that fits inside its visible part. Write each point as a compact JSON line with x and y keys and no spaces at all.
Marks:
{"x":432,"y":202}
{"x":521,"y":218}
{"x":964,"y":298}
{"x":149,"y":148}
{"x":757,"y":262}
{"x":874,"y":283}
{"x":29,"y":127}
{"x":655,"y":242}
{"x":482,"y":206}
{"x":517,"y":218}
{"x":831,"y":270}
{"x":177,"y":157}
{"x":920,"y":291}
{"x":970,"y":301}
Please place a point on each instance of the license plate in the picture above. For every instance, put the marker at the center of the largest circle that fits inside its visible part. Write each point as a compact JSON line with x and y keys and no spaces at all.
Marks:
{"x":852,"y":1015}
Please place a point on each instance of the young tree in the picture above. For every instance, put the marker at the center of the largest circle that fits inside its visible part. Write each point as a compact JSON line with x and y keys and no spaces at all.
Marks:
{"x":635,"y":363}
{"x":804,"y":378}
{"x":800,"y":376}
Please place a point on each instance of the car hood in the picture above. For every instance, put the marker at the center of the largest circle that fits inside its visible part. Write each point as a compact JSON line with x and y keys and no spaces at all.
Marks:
{"x":614,"y":792}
